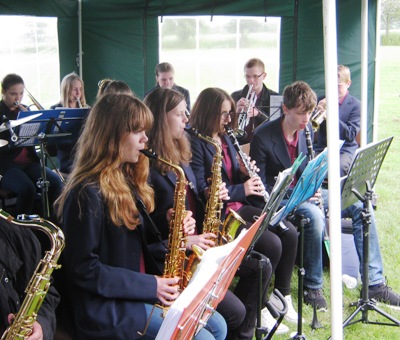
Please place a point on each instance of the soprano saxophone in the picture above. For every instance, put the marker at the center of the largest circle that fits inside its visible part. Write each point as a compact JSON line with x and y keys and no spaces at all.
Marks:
{"x":39,"y":284}
{"x":174,"y":265}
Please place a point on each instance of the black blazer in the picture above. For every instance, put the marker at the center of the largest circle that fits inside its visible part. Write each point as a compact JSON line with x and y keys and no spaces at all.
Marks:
{"x":164,"y":189}
{"x":202,"y":160}
{"x":101,"y":264}
{"x":268,"y":149}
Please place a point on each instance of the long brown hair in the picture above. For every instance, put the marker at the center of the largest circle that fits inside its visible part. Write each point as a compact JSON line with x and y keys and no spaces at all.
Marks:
{"x":98,"y":159}
{"x":206,"y":112}
{"x":160,"y":102}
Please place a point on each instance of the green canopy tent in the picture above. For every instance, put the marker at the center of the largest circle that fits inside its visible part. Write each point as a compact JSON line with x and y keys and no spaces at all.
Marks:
{"x":119,"y":38}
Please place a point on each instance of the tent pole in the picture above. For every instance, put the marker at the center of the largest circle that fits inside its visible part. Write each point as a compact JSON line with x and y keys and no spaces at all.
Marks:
{"x":377,"y":71}
{"x":331,"y":89}
{"x":80,"y":37}
{"x":364,"y":72}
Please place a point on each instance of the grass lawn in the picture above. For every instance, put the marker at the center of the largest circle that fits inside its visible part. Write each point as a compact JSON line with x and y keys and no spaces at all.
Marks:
{"x":387,"y":216}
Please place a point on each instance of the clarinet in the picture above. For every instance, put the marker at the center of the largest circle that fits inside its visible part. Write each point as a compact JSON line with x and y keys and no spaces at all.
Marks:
{"x":280,"y":228}
{"x":244,"y":159}
{"x":311,"y":155}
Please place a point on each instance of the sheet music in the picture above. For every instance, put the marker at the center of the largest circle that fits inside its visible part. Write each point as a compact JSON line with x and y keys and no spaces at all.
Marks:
{"x":205,"y":270}
{"x":275,"y":102}
{"x":207,"y":287}
{"x":309,"y":182}
{"x":27,"y":130}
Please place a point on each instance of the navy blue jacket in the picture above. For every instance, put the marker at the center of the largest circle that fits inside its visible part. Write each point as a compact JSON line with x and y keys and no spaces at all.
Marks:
{"x":202,"y":160}
{"x":349,"y":126}
{"x":101,"y":264}
{"x":164,"y":189}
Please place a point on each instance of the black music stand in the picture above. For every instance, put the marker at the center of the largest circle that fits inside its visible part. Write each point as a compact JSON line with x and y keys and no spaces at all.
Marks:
{"x":305,"y":188}
{"x":358,"y":186}
{"x":48,"y":128}
{"x":278,"y":192}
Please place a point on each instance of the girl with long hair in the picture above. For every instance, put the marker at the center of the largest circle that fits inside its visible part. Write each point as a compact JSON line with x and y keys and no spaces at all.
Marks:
{"x":213,"y":110}
{"x":112,"y":281}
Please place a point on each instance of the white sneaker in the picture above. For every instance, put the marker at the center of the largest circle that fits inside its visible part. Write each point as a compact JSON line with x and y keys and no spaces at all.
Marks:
{"x":291,"y":315}
{"x":268,"y":321}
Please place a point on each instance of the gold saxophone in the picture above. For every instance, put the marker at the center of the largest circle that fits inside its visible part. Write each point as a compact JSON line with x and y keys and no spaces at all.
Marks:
{"x":39,"y":284}
{"x":174,"y":265}
{"x":212,"y":220}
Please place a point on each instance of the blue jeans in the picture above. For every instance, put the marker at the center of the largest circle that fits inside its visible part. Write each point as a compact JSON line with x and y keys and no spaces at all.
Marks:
{"x":375,"y":266}
{"x":313,"y":238}
{"x":22,"y":180}
{"x":215,"y":328}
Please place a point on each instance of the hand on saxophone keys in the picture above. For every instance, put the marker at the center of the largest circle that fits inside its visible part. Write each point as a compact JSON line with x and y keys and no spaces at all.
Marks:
{"x":189,"y":224}
{"x":167,"y":289}
{"x":204,"y":241}
{"x":37,"y":331}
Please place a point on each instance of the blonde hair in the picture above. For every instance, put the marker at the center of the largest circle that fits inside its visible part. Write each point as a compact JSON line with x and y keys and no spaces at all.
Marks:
{"x":98,"y":159}
{"x":254,"y":62}
{"x":344,"y":75}
{"x":66,"y":87}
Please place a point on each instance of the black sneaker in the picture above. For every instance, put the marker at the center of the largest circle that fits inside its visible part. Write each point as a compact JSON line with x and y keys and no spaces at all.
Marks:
{"x":383,"y":293}
{"x":314,"y":296}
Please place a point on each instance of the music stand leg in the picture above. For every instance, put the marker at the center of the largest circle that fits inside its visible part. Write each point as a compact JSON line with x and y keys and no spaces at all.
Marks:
{"x":365,"y":304}
{"x":42,"y":183}
{"x":301,"y":272}
{"x":260,"y":331}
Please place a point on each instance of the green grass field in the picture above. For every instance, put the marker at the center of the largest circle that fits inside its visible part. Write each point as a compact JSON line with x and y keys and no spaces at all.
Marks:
{"x":387,"y":216}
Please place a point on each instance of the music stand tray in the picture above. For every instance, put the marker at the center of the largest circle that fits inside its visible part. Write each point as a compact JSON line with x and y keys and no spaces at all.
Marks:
{"x":58,"y":126}
{"x":365,"y":167}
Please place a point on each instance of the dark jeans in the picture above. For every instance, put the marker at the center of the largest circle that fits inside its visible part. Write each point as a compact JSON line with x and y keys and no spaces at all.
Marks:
{"x":22,"y":180}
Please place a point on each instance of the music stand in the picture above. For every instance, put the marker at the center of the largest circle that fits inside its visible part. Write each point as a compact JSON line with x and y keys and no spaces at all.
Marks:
{"x":284,"y":179}
{"x":358,"y":186}
{"x":213,"y":275}
{"x":48,"y":128}
{"x":305,"y":188}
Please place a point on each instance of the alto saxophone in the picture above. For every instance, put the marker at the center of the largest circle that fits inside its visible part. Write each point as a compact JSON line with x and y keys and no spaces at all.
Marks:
{"x":174,"y":265}
{"x":212,"y":220}
{"x":39,"y":284}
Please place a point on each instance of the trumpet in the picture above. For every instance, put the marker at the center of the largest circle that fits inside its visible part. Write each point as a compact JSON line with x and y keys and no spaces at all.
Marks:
{"x":317,"y":117}
{"x":34,"y":101}
{"x":243,"y":118}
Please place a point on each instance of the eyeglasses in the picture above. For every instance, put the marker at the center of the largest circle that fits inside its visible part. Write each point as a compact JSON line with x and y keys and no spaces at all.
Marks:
{"x":255,"y":77}
{"x":225,"y":114}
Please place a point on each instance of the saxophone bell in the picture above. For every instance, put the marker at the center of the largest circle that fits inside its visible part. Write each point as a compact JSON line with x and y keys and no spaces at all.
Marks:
{"x":230,"y":226}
